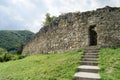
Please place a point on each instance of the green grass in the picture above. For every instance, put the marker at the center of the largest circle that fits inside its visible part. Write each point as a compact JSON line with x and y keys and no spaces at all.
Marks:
{"x":110,"y":64}
{"x":42,"y":67}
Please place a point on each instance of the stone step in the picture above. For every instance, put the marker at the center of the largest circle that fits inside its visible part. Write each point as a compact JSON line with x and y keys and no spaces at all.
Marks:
{"x":92,"y":47}
{"x":89,"y":59}
{"x":87,"y":68}
{"x":95,"y":63}
{"x":90,"y":56}
{"x":86,"y":76}
{"x":91,"y":51}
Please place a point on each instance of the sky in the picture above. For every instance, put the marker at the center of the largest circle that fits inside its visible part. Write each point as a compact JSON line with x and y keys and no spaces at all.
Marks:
{"x":30,"y":14}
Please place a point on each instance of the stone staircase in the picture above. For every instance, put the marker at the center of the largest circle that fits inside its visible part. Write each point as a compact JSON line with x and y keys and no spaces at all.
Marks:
{"x":88,"y":70}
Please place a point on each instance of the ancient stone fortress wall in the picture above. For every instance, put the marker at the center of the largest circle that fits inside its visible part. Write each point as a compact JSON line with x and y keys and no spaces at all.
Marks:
{"x":77,"y":30}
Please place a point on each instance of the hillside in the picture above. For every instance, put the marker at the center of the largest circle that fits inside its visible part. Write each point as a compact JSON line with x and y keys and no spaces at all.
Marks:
{"x":59,"y":66}
{"x":42,"y":67}
{"x":13,"y":40}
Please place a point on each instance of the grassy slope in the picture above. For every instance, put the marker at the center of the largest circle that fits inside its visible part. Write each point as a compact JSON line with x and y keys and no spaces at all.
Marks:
{"x":41,"y":67}
{"x":110,"y":64}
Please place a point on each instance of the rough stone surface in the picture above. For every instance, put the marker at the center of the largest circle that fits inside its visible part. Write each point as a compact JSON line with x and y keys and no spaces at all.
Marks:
{"x":72,"y":30}
{"x":88,"y":67}
{"x":87,"y":76}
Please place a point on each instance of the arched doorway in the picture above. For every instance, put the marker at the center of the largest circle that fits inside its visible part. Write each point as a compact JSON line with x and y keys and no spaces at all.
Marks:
{"x":92,"y":35}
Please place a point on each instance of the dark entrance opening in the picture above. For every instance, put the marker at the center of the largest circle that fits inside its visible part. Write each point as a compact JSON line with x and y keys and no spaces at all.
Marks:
{"x":93,"y":35}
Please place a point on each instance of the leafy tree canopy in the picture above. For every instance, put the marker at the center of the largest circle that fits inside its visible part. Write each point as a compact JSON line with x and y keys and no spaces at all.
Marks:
{"x":13,"y":40}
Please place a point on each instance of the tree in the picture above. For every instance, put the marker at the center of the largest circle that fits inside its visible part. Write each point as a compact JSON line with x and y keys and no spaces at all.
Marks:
{"x":4,"y":55}
{"x":48,"y":19}
{"x":3,"y":51}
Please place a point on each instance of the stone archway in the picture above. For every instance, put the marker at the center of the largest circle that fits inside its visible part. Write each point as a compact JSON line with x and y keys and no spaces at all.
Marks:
{"x":92,"y":35}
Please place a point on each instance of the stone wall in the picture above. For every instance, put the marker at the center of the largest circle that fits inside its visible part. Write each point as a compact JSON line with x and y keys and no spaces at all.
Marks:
{"x":71,"y":31}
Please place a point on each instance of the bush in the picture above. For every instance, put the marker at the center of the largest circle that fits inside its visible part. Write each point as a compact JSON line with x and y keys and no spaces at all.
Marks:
{"x":3,"y":51}
{"x":79,"y":50}
{"x":16,"y":57}
{"x":5,"y":56}
{"x":1,"y":59}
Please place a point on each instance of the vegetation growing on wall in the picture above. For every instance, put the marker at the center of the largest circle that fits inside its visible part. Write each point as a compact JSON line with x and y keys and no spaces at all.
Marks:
{"x":48,"y":19}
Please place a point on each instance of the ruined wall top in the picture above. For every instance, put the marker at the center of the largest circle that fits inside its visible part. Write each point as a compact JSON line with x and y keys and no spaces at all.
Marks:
{"x":70,"y":31}
{"x":70,"y":16}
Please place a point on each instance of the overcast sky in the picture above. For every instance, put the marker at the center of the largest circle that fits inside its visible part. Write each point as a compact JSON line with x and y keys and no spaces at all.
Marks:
{"x":30,"y":14}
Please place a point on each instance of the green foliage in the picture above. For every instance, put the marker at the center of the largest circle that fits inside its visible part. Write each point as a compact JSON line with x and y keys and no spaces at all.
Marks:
{"x":48,"y":19}
{"x":17,"y":57}
{"x":5,"y":56}
{"x":3,"y":51}
{"x":60,"y":66}
{"x":110,"y":64}
{"x":79,"y":50}
{"x":12,"y":40}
